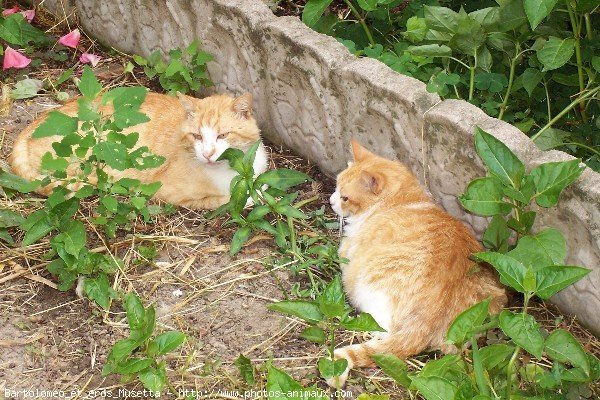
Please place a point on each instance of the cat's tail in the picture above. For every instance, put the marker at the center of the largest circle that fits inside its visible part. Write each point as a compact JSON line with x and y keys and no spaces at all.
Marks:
{"x":20,"y":159}
{"x":359,"y":355}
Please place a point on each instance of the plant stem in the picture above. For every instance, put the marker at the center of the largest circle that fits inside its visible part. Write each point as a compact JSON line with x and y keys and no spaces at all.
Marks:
{"x":511,"y":78}
{"x":578,"y":100}
{"x":471,"y":82}
{"x":588,"y":26}
{"x":576,"y":34}
{"x":305,"y":202}
{"x":548,"y":100}
{"x":290,"y":222}
{"x":478,"y":368}
{"x":515,"y":355}
{"x":362,"y":22}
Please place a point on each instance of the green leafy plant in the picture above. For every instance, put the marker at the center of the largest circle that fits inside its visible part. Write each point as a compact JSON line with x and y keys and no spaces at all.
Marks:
{"x":90,"y":144}
{"x":531,"y":264}
{"x":140,"y":355}
{"x":184,"y":71}
{"x":267,"y":193}
{"x":326,"y":314}
{"x":282,"y":386}
{"x":533,"y":63}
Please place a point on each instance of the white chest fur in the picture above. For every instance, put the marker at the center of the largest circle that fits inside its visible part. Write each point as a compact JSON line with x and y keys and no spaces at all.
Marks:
{"x":368,"y":299}
{"x":221,"y":174}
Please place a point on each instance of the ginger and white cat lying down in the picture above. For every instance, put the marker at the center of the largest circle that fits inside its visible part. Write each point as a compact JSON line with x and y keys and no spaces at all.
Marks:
{"x":190,"y":133}
{"x":409,"y":263}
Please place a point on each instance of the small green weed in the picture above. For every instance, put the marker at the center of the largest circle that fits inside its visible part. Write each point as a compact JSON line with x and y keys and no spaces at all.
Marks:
{"x":184,"y":71}
{"x":139,"y":354}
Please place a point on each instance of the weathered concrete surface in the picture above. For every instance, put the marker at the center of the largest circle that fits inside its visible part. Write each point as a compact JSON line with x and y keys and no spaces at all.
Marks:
{"x":313,"y":96}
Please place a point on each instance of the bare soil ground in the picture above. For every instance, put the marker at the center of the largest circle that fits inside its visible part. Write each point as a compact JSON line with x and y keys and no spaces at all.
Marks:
{"x":52,"y":340}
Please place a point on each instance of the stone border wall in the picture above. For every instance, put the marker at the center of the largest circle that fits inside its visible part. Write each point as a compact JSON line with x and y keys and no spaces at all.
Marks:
{"x":312,"y":95}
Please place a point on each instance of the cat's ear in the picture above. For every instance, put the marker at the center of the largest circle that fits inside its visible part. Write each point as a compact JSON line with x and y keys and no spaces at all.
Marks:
{"x":358,"y":151}
{"x":188,"y":106}
{"x":242,"y":106}
{"x":373,"y":181}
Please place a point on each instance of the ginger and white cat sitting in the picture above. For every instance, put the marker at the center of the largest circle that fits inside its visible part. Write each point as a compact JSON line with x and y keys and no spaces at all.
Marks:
{"x":190,"y":133}
{"x":409,"y":263}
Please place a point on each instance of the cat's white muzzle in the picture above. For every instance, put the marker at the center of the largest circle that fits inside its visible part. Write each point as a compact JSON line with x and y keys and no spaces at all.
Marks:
{"x":336,"y":203}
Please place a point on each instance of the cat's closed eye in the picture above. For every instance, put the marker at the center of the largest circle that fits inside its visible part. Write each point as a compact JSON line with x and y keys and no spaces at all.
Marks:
{"x":197,"y":135}
{"x":344,"y":198}
{"x":223,"y":135}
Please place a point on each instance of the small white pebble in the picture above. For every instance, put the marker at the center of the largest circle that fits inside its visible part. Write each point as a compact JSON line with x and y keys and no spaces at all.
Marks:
{"x":177,"y":293}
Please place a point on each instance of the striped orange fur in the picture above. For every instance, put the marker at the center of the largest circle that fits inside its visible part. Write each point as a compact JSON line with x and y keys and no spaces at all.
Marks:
{"x":409,"y":262}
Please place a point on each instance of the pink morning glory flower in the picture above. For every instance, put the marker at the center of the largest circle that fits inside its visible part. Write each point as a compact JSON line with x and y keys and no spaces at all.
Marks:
{"x":14,"y":59}
{"x":71,"y":39}
{"x":88,"y":58}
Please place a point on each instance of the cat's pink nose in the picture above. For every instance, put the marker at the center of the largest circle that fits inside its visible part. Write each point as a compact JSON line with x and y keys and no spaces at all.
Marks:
{"x":208,"y":153}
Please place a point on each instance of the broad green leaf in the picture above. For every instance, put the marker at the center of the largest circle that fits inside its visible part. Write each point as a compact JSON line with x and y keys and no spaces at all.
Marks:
{"x":367,"y":5}
{"x":249,"y":157}
{"x":551,"y":280}
{"x":5,"y":236}
{"x":496,"y":355}
{"x":329,"y":368}
{"x":246,"y":369}
{"x":555,"y":52}
{"x":15,"y":182}
{"x":135,"y":311}
{"x":530,"y":78}
{"x":562,"y":346}
{"x":491,"y":82}
{"x":113,"y":154}
{"x":496,"y":235}
{"x":332,"y":300}
{"x":40,"y":229}
{"x":313,"y":10}
{"x":169,"y":341}
{"x":305,"y":310}
{"x":511,"y":16}
{"x":49,"y":163}
{"x":110,"y":203}
{"x":17,"y":31}
{"x":435,"y":388}
{"x":416,"y":28}
{"x":441,"y":19}
{"x":487,"y":17}
{"x":239,"y":238}
{"x":280,"y":383}
{"x":450,"y":366}
{"x":499,"y":159}
{"x":133,"y":365}
{"x":281,"y":179}
{"x":26,"y":88}
{"x":363,"y":322}
{"x":465,"y":323}
{"x":596,"y":63}
{"x":524,"y":331}
{"x":394,"y":367}
{"x":56,"y":123}
{"x":313,"y":334}
{"x":430,"y":50}
{"x":153,"y":379}
{"x":537,"y":10}
{"x":10,"y":218}
{"x":89,"y":85}
{"x":469,"y":35}
{"x":545,"y":248}
{"x":551,"y":178}
{"x":73,"y":238}
{"x":484,"y":197}
{"x":97,"y":289}
{"x":146,"y":327}
{"x":118,"y":352}
{"x":551,"y":138}
{"x":511,"y":270}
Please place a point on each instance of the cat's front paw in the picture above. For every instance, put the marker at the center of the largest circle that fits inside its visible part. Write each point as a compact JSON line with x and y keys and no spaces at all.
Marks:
{"x":338,"y":382}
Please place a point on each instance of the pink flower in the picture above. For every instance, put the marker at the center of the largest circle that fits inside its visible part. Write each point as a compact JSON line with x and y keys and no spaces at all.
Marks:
{"x":86,"y":58}
{"x":8,"y":11}
{"x":28,"y":14}
{"x":71,"y":39}
{"x":14,"y":59}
